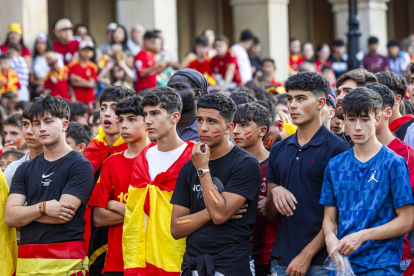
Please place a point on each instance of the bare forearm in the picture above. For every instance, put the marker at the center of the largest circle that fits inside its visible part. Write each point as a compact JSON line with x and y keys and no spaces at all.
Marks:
{"x":104,"y":217}
{"x":18,"y":216}
{"x":79,"y":82}
{"x":270,"y":208}
{"x":315,"y":245}
{"x":49,"y":220}
{"x":147,"y":71}
{"x":329,"y":228}
{"x":182,"y":227}
{"x":229,"y":74}
{"x":116,"y":206}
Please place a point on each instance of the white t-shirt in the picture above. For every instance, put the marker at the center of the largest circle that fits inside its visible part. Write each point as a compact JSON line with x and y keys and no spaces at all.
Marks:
{"x":243,"y":61}
{"x":12,"y":167}
{"x":161,"y":161}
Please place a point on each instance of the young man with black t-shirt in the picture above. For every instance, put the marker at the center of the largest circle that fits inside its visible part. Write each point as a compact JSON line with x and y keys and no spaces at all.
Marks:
{"x":295,"y":174}
{"x":219,"y":181}
{"x":251,"y":124}
{"x":48,"y":196}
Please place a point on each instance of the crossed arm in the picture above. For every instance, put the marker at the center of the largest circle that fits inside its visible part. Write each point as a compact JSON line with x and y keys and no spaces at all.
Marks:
{"x":113,"y":214}
{"x":57,"y":212}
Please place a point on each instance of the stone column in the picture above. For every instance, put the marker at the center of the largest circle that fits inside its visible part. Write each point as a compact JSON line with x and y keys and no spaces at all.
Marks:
{"x":372,"y":16}
{"x":31,"y":14}
{"x":268,"y":19}
{"x":152,"y":14}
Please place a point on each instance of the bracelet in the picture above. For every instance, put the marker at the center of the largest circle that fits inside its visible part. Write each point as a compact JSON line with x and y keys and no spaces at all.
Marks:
{"x":41,"y":208}
{"x":44,"y":207}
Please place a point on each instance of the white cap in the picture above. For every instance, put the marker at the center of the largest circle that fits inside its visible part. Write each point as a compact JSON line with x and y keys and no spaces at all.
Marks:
{"x":86,"y":44}
{"x":63,"y":24}
{"x":112,"y":26}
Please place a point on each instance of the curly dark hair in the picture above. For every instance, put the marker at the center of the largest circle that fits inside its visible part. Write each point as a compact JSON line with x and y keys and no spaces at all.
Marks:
{"x":308,"y":81}
{"x":397,"y":84}
{"x":241,"y":97}
{"x":130,"y":105}
{"x":385,"y":94}
{"x":164,"y":96}
{"x":225,"y":105}
{"x":79,"y":133}
{"x":115,"y":93}
{"x":253,"y":112}
{"x":47,"y":104}
{"x":361,"y":101}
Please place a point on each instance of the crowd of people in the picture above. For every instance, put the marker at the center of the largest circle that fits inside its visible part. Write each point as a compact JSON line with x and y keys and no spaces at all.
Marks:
{"x":120,"y":160}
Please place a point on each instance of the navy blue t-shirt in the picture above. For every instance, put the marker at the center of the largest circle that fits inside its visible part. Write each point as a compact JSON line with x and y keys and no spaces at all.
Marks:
{"x":301,"y":170}
{"x":366,"y":195}
{"x":41,"y":180}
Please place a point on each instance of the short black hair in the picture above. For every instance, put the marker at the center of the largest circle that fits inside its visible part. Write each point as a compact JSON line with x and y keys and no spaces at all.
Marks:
{"x":308,"y":81}
{"x":361,"y":101}
{"x":241,"y":97}
{"x":385,"y":94}
{"x":13,"y":46}
{"x":164,"y":96}
{"x":150,"y":35}
{"x":412,"y":68}
{"x":338,"y":42}
{"x":21,"y":105}
{"x":201,"y":40}
{"x":47,"y":104}
{"x":130,"y":105}
{"x":5,"y":56}
{"x":79,"y":133}
{"x":225,"y":105}
{"x":397,"y":84}
{"x":16,"y":153}
{"x":115,"y":93}
{"x":256,"y":40}
{"x":393,"y":43}
{"x":96,"y":116}
{"x":409,"y":107}
{"x":78,"y":109}
{"x":372,"y":40}
{"x":15,"y":119}
{"x":268,"y":59}
{"x":253,"y":112}
{"x":246,"y":35}
{"x":26,"y":112}
{"x":271,"y":108}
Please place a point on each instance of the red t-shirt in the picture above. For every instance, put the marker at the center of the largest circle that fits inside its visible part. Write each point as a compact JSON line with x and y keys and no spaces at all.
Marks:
{"x":201,"y":67}
{"x":24,"y":52}
{"x":66,"y":50}
{"x":404,"y":150}
{"x":58,"y":83}
{"x":319,"y":65}
{"x":90,"y":70}
{"x":144,"y":60}
{"x":395,"y":125}
{"x":218,"y":66}
{"x":294,"y":62}
{"x":264,"y":230}
{"x":113,"y":185}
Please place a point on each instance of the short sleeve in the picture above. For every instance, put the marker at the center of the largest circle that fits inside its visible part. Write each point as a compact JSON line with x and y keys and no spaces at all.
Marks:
{"x":181,"y":195}
{"x":233,"y":58}
{"x":26,"y":52}
{"x":72,"y":69}
{"x":245,"y":179}
{"x":328,"y":194}
{"x":103,"y":191}
{"x":272,"y":175}
{"x":400,"y":183}
{"x":18,"y":183}
{"x":94,"y":73}
{"x":80,"y":182}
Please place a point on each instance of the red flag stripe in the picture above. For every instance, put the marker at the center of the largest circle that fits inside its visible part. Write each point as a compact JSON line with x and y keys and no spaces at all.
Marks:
{"x":64,"y":250}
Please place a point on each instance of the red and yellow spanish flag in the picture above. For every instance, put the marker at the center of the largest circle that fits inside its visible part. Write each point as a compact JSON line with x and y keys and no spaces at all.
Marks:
{"x":12,"y":81}
{"x":98,"y":150}
{"x":8,"y":243}
{"x":147,"y":245}
{"x":54,"y":259}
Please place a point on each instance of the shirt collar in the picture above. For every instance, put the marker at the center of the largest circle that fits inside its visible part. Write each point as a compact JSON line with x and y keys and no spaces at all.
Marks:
{"x":315,"y":141}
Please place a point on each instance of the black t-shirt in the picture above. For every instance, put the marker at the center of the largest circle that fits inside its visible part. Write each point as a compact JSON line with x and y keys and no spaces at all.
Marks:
{"x":239,"y":172}
{"x":402,"y":130}
{"x":41,"y":180}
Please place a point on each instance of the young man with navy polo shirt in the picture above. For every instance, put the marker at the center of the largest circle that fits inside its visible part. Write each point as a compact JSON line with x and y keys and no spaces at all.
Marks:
{"x":295,"y":174}
{"x":368,"y":188}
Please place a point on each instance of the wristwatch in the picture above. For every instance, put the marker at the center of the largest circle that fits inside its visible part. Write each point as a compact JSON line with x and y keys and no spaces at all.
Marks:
{"x":202,"y":172}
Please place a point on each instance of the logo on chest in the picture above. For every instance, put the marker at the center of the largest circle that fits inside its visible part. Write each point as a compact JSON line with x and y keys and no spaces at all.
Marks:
{"x":372,"y":178}
{"x":46,"y":181}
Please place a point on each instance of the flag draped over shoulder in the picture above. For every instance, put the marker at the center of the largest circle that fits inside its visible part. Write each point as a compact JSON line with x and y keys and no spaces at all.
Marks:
{"x":147,"y":245}
{"x":98,"y":150}
{"x":54,"y":259}
{"x":8,"y":243}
